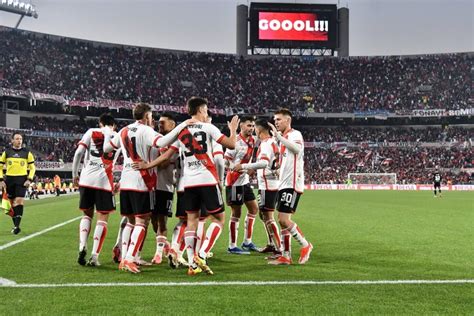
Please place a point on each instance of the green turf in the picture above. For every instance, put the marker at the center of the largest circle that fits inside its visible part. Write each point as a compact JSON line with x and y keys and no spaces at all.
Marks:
{"x":359,"y":235}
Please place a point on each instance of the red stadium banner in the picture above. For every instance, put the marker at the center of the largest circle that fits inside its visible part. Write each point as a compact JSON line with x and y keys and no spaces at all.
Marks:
{"x":292,"y":27}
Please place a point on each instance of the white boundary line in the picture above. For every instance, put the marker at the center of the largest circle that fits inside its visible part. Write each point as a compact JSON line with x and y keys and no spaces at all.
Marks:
{"x":15,"y":242}
{"x":12,"y":284}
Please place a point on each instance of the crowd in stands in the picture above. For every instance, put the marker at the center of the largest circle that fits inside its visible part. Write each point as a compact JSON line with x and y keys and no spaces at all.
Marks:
{"x":412,"y":165}
{"x":387,"y":134}
{"x":324,"y":163}
{"x":53,"y":124}
{"x":88,"y":71}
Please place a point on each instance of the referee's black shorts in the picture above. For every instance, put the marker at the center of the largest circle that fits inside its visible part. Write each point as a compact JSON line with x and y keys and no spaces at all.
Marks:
{"x":16,"y":186}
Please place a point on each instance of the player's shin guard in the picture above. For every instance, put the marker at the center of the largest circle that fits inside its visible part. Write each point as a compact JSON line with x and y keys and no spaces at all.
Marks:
{"x":269,"y":234}
{"x":286,"y":243}
{"x":17,"y":215}
{"x":273,"y":230}
{"x":233,"y":231}
{"x":249,"y":221}
{"x":126,"y":234}
{"x":160,"y":245}
{"x":200,"y":235}
{"x":212,"y":234}
{"x":84,"y":229}
{"x":297,"y":234}
{"x":99,"y":236}
{"x":136,"y":241}
{"x":189,"y":240}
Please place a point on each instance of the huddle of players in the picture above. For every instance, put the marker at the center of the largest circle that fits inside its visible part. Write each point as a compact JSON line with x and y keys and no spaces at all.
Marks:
{"x":193,"y":150}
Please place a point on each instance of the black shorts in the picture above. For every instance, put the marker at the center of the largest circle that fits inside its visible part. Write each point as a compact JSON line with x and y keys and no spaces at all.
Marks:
{"x":180,"y":210}
{"x":237,"y":195}
{"x":16,"y":186}
{"x":104,"y":201}
{"x":209,"y":197}
{"x":136,"y":203}
{"x":287,"y":200}
{"x":163,"y":203}
{"x":437,"y":185}
{"x":267,"y":200}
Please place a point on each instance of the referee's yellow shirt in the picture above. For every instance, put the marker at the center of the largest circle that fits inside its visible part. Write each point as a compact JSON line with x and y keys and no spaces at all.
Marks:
{"x":18,"y":162}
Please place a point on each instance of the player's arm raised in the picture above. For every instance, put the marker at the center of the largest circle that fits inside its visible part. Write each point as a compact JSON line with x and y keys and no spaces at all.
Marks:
{"x":229,"y":142}
{"x":294,"y":147}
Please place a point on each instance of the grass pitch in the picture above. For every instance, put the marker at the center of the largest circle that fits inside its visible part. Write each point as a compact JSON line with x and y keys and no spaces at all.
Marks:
{"x":358,"y":235}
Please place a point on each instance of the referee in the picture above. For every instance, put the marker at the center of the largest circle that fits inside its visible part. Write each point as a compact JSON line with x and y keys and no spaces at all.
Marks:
{"x":20,"y":165}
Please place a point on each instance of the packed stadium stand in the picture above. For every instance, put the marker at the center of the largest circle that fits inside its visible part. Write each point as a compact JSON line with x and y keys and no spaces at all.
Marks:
{"x":76,"y":78}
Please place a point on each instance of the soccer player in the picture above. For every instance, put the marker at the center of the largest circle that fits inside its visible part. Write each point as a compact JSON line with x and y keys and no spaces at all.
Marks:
{"x":20,"y":164}
{"x":437,"y":181}
{"x":218,"y":157}
{"x":96,"y":189}
{"x":238,"y":190}
{"x":137,"y":186}
{"x":200,"y":180}
{"x":164,"y":191}
{"x":291,"y":186}
{"x":267,"y":176}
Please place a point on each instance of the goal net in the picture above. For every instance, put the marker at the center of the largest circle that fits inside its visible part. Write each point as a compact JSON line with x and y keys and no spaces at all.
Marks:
{"x":372,"y":178}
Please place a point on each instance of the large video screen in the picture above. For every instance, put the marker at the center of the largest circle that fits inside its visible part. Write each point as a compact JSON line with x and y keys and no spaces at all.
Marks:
{"x":293,"y":25}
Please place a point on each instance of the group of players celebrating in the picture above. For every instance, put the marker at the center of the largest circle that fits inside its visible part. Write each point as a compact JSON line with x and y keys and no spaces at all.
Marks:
{"x":190,"y":158}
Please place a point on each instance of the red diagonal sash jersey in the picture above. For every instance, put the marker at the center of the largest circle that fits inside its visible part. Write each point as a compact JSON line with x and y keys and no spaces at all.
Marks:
{"x":267,"y":177}
{"x":195,"y":143}
{"x":240,"y":155}
{"x":97,"y":171}
{"x":136,"y":140}
{"x":292,"y":165}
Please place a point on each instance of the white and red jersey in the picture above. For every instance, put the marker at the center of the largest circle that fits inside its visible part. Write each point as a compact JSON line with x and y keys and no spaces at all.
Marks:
{"x":241,"y":154}
{"x":97,"y":171}
{"x":292,"y":165}
{"x":267,"y":177}
{"x":166,"y":177}
{"x":136,"y":140}
{"x":179,"y":163}
{"x":198,"y":165}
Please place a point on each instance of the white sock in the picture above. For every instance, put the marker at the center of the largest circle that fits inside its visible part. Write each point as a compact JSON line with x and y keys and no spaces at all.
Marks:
{"x":136,"y":240}
{"x":190,"y":239}
{"x":212,"y":234}
{"x":126,"y":234}
{"x":199,"y":235}
{"x":298,"y":235}
{"x":99,"y":236}
{"x":123,"y":223}
{"x":84,"y":229}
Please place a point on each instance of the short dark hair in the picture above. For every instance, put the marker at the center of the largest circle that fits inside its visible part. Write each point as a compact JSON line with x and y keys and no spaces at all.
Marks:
{"x":107,"y":119}
{"x":16,"y":133}
{"x":246,"y":118}
{"x":284,"y":111}
{"x":140,"y":110}
{"x":263,"y":123}
{"x":169,"y":115}
{"x":194,"y":103}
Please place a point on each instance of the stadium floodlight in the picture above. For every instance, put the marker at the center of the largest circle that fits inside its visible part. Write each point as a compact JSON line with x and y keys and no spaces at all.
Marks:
{"x":19,"y":7}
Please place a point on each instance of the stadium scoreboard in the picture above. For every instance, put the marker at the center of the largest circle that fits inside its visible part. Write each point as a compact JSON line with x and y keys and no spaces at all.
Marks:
{"x":293,"y":25}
